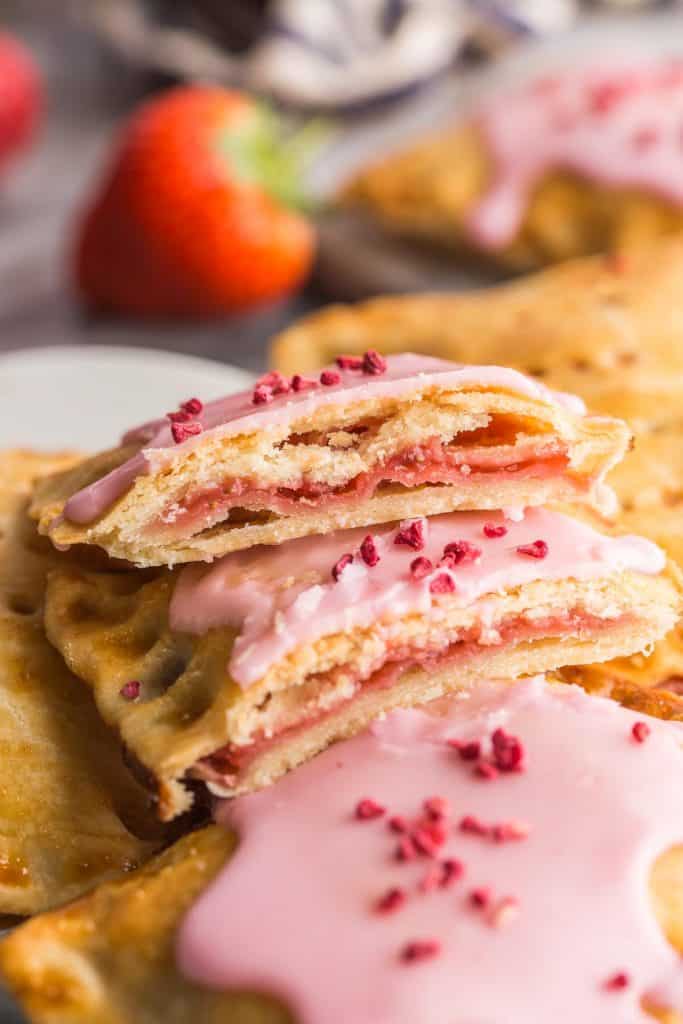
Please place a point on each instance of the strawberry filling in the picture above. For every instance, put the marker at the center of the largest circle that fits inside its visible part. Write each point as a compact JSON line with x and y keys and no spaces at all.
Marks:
{"x":226,"y":765}
{"x":242,"y":500}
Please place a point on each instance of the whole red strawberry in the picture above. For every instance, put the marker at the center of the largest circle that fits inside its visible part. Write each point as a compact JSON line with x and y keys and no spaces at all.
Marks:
{"x":197,"y":213}
{"x":20,"y":96}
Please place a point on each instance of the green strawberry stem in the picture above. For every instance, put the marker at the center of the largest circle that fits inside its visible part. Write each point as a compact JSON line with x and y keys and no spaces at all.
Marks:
{"x":262,"y":151}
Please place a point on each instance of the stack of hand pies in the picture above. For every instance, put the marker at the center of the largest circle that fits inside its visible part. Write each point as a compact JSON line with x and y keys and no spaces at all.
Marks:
{"x":323,"y":613}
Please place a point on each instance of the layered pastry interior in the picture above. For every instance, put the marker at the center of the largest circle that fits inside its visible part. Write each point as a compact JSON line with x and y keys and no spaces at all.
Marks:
{"x":230,"y":674}
{"x":369,"y":440}
{"x":571,"y":162}
{"x":390,"y":880}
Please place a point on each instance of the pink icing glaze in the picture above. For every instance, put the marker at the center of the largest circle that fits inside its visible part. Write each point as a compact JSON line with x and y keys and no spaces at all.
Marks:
{"x":292,"y":914}
{"x":236,"y":414}
{"x":620,"y":125}
{"x":284,"y":596}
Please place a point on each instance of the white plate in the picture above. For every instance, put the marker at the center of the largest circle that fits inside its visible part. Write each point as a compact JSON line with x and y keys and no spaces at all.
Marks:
{"x":72,"y":396}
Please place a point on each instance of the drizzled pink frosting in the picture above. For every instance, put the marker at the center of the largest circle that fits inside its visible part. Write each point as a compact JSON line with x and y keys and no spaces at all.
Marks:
{"x":618,"y":125}
{"x":284,"y":596}
{"x":406,"y":374}
{"x":292,"y":914}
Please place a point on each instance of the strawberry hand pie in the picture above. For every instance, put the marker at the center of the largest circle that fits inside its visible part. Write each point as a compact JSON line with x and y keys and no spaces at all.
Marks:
{"x":229,"y":675}
{"x":387,"y":882}
{"x":370,"y":440}
{"x":583,"y":160}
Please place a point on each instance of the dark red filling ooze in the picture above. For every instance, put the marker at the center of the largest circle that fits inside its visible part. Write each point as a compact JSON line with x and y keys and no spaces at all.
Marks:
{"x":227,"y":764}
{"x":431,"y":463}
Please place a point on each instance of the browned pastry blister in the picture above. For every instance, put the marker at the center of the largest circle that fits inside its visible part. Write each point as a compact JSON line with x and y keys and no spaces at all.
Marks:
{"x":71,"y":814}
{"x":428,"y":191}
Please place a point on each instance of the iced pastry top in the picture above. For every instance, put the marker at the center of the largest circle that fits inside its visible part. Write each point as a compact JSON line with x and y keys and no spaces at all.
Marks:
{"x":392,"y":879}
{"x":269,"y":406}
{"x":617,"y":125}
{"x":292,"y":594}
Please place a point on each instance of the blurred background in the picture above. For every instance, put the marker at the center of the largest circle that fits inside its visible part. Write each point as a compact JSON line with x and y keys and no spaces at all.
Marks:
{"x":346,"y":77}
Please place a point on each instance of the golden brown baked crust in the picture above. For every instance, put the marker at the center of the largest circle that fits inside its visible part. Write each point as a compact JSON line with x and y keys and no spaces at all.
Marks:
{"x":71,"y":815}
{"x":427,"y":191}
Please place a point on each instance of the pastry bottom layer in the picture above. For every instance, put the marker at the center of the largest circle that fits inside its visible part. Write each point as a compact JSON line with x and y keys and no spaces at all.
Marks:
{"x":407,"y":677}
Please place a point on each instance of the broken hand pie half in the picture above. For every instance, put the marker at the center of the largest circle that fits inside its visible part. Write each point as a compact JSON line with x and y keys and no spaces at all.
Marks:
{"x":367,"y":441}
{"x":230,"y":674}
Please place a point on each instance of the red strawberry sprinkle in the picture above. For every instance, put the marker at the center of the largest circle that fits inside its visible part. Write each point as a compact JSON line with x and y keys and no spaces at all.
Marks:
{"x":481,"y":897}
{"x":424,"y":842}
{"x":462,"y":552}
{"x":468,"y":751}
{"x":442,"y":584}
{"x":510,"y":830}
{"x":340,"y":565}
{"x":411,"y":534}
{"x":437,"y":808}
{"x":421,"y":949}
{"x":640,"y":731}
{"x":486,"y":770}
{"x":398,"y":824}
{"x":392,"y":900}
{"x":349,"y":362}
{"x":473,"y":826}
{"x":328,"y":378}
{"x":368,"y":809}
{"x":369,"y":552}
{"x":420,"y":567}
{"x":181,"y":431}
{"x":274,"y":380}
{"x":508,"y":751}
{"x":178,"y":417}
{"x":374,"y":363}
{"x":193,"y":406}
{"x":262,"y":395}
{"x":406,"y":849}
{"x":130,"y":690}
{"x":617,"y":982}
{"x":300,"y":383}
{"x":492,"y":530}
{"x":537,"y":549}
{"x":451,"y":871}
